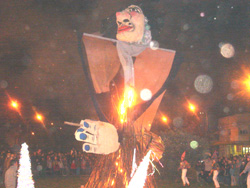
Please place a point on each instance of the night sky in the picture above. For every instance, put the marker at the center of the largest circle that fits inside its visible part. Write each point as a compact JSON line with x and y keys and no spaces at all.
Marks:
{"x":40,"y":66}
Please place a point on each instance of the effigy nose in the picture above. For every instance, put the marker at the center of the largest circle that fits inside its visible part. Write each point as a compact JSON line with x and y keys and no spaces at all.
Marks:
{"x":122,"y":16}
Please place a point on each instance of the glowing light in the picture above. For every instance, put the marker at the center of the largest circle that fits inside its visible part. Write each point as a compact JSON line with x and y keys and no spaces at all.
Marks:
{"x":194,"y":144}
{"x":116,"y":164}
{"x":140,"y":175}
{"x":39,"y":117}
{"x":164,"y":119}
{"x":128,"y":102}
{"x":24,"y":172}
{"x":203,"y":84}
{"x":192,"y":107}
{"x":154,"y":45}
{"x":113,"y":182}
{"x":33,"y":133}
{"x":227,"y":50}
{"x":134,"y":165}
{"x":14,"y":104}
{"x":145,"y":94}
{"x":246,"y":82}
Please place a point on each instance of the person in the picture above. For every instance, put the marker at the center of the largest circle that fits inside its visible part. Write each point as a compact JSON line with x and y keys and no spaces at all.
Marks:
{"x":198,"y":169}
{"x":208,"y":167}
{"x":11,"y":175}
{"x":6,"y":164}
{"x":184,"y":165}
{"x":242,"y":178}
{"x":215,"y":171}
{"x":232,"y":174}
{"x":247,"y":170}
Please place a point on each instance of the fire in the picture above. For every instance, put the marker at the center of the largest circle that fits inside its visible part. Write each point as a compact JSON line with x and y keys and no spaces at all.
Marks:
{"x":113,"y":182}
{"x":128,"y":102}
{"x":140,"y":175}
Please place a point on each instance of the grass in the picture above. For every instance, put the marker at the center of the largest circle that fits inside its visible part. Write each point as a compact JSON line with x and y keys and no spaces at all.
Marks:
{"x":77,"y":181}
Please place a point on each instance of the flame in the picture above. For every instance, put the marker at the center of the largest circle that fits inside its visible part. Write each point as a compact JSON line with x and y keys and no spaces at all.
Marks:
{"x":127,"y":102}
{"x":113,"y":182}
{"x":140,"y":175}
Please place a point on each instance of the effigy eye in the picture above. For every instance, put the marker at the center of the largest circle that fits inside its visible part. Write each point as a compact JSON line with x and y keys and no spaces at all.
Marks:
{"x":134,"y":9}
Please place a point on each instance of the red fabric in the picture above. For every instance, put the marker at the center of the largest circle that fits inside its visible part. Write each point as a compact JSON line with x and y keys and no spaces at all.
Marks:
{"x":183,"y":155}
{"x":73,"y":165}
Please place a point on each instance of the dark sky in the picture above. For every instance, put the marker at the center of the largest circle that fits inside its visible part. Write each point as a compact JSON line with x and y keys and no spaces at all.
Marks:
{"x":40,"y":62}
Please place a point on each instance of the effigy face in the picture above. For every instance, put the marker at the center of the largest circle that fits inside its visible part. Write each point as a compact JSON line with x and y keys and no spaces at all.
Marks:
{"x":131,"y":24}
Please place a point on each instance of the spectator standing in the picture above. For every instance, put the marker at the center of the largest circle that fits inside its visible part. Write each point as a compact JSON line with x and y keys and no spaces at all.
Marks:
{"x":242,"y":178}
{"x":247,"y":170}
{"x":198,"y":169}
{"x":11,"y":175}
{"x":49,"y":165}
{"x":208,"y":167}
{"x":73,"y":167}
{"x":232,"y":174}
{"x":215,"y":171}
{"x":184,"y":165}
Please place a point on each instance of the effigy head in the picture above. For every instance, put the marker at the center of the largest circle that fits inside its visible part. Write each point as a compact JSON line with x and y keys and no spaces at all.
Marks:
{"x":131,"y":24}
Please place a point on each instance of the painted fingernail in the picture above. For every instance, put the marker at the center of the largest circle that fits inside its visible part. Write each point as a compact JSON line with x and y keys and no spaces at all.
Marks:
{"x":86,"y":124}
{"x":87,"y":147}
{"x":80,"y":130}
{"x":83,"y":136}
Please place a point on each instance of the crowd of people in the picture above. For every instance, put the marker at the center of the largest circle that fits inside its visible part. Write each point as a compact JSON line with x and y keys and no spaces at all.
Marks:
{"x":231,"y":171}
{"x":49,"y":163}
{"x":227,"y":171}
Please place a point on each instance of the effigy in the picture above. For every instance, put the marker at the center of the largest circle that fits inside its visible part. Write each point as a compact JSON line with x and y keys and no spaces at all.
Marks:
{"x":124,"y":141}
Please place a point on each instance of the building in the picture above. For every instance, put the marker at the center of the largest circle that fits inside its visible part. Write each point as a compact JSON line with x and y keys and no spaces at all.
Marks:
{"x":233,"y":135}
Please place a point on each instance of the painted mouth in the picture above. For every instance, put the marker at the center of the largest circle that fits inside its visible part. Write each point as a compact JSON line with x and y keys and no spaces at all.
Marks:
{"x":124,"y":28}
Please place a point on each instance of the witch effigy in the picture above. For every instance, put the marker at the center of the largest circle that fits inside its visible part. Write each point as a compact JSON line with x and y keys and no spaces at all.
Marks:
{"x":124,"y":139}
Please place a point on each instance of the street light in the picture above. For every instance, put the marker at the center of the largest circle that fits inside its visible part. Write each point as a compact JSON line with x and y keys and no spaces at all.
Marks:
{"x":191,"y":107}
{"x":15,"y":105}
{"x":164,"y":119}
{"x":246,"y":83}
{"x":39,"y":117}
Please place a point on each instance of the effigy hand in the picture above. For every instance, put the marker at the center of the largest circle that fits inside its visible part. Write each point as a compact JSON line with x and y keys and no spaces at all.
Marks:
{"x":99,"y":137}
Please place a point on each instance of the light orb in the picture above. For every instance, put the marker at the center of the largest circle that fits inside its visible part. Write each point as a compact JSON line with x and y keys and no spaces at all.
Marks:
{"x":178,"y":122}
{"x":145,"y":94}
{"x":234,"y":84}
{"x":194,"y":144}
{"x":230,"y":96}
{"x":202,"y":14}
{"x":227,"y":50}
{"x":203,"y":84}
{"x":154,"y":45}
{"x":3,"y":84}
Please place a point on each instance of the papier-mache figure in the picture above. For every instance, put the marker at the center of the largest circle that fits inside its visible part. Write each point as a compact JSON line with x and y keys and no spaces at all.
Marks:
{"x":99,"y":137}
{"x":142,"y":68}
